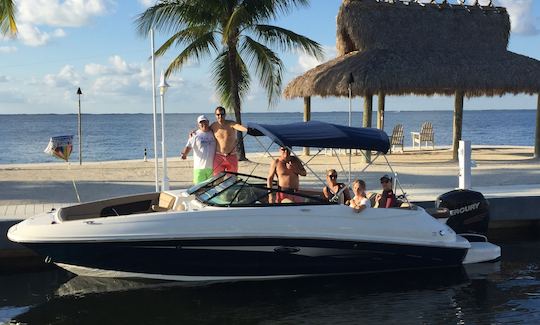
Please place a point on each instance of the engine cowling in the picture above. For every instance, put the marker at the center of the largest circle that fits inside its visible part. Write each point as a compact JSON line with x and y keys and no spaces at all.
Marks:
{"x":468,"y":211}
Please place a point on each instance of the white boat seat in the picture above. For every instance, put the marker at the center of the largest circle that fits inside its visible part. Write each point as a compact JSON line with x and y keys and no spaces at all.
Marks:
{"x":165,"y":203}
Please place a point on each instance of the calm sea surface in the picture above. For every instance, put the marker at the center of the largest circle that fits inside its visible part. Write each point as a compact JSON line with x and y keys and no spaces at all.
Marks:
{"x":505,"y":293}
{"x":124,"y":136}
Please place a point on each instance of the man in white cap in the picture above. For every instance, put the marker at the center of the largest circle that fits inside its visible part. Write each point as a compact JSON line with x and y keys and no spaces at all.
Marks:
{"x":203,"y":144}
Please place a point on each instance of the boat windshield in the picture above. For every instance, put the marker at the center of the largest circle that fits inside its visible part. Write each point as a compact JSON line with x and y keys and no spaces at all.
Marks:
{"x":234,"y":189}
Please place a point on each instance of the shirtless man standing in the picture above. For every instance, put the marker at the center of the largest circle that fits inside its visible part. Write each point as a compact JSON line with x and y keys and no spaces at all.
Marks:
{"x":225,"y":133}
{"x":287,"y":169}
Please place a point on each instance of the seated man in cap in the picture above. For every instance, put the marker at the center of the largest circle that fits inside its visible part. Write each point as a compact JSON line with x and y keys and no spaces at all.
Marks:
{"x":203,"y":144}
{"x":387,"y":199}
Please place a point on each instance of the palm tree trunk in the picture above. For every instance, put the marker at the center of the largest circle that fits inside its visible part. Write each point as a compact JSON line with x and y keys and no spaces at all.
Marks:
{"x":235,"y":96}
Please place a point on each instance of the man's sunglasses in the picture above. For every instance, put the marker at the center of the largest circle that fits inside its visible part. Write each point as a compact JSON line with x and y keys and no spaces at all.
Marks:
{"x":332,"y":176}
{"x":385,"y":181}
{"x":218,"y":114}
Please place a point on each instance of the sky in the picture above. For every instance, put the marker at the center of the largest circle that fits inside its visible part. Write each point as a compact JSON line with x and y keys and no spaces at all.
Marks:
{"x":94,"y":45}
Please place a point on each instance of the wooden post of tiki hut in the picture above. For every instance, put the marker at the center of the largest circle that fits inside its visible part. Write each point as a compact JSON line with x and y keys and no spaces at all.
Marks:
{"x":467,"y":55}
{"x":458,"y":122}
{"x":366,"y":120}
{"x":307,"y":117}
{"x":380,"y":111}
{"x":537,"y":138}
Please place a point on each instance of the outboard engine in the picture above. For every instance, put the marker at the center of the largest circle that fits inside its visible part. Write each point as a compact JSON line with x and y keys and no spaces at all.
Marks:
{"x":468,"y":210}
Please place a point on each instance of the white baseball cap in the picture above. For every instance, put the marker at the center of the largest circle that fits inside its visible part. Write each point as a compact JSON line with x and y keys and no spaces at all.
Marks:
{"x":202,"y":118}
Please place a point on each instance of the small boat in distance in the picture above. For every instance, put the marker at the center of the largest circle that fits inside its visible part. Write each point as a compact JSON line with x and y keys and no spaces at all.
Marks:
{"x":225,"y":228}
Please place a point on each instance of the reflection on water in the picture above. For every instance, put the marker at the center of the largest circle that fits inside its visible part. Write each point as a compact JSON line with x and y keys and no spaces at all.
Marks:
{"x":477,"y":295}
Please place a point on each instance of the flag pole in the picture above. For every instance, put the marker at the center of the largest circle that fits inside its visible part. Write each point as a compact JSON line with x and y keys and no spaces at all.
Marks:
{"x":154,"y":110}
{"x":350,"y":82}
{"x":79,"y":125}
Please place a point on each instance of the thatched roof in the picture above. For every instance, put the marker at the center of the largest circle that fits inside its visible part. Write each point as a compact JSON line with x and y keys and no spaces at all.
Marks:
{"x":421,"y":49}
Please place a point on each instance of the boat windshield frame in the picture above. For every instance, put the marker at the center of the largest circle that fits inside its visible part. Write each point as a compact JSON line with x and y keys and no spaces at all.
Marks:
{"x":229,"y":189}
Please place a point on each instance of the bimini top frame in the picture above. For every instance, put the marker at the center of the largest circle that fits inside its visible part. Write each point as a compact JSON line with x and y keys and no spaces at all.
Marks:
{"x":317,"y":134}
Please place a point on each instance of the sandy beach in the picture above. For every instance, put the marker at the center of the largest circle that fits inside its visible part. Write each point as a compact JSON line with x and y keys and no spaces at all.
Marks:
{"x":423,"y":174}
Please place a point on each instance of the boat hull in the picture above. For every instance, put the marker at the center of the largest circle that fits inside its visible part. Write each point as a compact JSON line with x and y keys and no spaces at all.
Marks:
{"x":242,"y":258}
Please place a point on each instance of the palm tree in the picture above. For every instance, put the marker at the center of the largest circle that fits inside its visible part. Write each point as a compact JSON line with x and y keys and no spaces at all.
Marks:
{"x":239,"y":33}
{"x":7,"y":18}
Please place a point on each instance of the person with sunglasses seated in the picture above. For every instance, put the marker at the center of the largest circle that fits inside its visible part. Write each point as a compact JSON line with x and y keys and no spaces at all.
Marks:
{"x":287,"y":168}
{"x":387,"y":199}
{"x":334,"y":191}
{"x":360,"y":202}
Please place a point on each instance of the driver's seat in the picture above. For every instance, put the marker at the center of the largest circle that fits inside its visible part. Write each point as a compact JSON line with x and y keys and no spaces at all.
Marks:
{"x":165,"y":203}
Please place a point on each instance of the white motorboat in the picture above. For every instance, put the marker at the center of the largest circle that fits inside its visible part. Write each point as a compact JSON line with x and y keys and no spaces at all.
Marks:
{"x":225,"y":229}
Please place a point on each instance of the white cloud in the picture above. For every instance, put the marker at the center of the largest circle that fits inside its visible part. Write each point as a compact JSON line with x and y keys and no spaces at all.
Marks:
{"x":11,"y":96}
{"x":33,"y":36}
{"x":37,"y":18}
{"x":68,"y":13}
{"x":147,"y":3}
{"x":120,"y":77}
{"x":4,"y":78}
{"x":119,"y":65}
{"x":59,"y":32}
{"x":111,"y":84}
{"x":307,"y":62}
{"x":8,"y":49}
{"x":521,"y":16}
{"x":66,"y":77}
{"x":95,"y":69}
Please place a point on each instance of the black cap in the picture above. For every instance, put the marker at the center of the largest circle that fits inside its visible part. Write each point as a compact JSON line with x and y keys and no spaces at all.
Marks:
{"x":386,"y":177}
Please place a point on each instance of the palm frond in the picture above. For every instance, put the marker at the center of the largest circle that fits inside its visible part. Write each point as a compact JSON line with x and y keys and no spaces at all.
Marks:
{"x":171,"y":15}
{"x":185,"y":36}
{"x":265,"y":10}
{"x":287,"y":40}
{"x":201,"y":46}
{"x":7,"y":18}
{"x":221,"y":70}
{"x":269,"y":67}
{"x":240,"y":16}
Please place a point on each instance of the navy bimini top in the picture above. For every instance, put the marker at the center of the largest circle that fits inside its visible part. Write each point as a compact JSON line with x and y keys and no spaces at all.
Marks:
{"x":318,"y":134}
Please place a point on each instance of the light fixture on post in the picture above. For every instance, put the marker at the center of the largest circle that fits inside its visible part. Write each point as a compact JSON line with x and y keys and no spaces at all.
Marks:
{"x":163,"y":86}
{"x":79,"y":126}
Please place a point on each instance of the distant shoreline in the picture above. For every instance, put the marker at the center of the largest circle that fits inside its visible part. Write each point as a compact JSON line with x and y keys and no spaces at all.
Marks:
{"x":282,"y":112}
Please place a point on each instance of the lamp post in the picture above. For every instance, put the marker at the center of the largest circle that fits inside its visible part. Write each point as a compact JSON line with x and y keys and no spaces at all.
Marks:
{"x":154,"y":110}
{"x":79,"y":126}
{"x":163,"y":86}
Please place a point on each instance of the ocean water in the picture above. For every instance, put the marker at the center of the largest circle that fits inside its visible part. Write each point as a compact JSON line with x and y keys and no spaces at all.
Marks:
{"x":125,"y":136}
{"x":502,"y":293}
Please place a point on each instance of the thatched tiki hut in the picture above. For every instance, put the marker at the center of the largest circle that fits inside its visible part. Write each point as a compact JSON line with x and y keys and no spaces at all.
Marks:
{"x":402,"y":48}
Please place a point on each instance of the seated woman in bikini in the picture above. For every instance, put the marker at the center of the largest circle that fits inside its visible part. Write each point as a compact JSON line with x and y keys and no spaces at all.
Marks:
{"x":360,"y":202}
{"x":333,"y":187}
